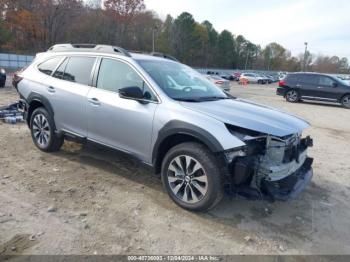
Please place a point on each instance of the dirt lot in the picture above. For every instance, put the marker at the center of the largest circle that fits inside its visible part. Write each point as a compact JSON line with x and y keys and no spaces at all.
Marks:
{"x":90,"y":200}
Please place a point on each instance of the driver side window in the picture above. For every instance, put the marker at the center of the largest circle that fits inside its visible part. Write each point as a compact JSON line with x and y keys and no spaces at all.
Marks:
{"x":114,"y":75}
{"x":326,"y":81}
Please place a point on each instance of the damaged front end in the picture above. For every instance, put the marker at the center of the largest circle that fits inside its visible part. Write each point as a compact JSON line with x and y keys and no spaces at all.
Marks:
{"x":269,"y":167}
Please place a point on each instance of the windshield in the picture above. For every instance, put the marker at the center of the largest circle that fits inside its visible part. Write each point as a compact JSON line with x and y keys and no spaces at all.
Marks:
{"x":181,"y":82}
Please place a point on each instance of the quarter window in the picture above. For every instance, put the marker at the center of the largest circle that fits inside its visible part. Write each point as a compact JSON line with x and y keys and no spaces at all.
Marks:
{"x":60,"y":70}
{"x":114,"y":75}
{"x":49,"y":66}
{"x":78,"y":70}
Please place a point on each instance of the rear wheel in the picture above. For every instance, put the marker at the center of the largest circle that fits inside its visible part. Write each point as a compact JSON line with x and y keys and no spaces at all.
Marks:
{"x":191,"y":176}
{"x":43,"y":131}
{"x":345,"y":101}
{"x":292,"y":96}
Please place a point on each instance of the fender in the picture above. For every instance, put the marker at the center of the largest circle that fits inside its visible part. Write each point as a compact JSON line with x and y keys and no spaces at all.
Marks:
{"x":179,"y":127}
{"x":33,"y":96}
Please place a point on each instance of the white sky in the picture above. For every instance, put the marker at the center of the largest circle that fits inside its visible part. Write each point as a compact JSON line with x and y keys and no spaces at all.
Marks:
{"x":324,"y":24}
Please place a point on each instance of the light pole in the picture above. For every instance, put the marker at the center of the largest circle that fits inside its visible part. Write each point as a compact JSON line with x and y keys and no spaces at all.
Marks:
{"x":153,"y":32}
{"x":305,"y":54}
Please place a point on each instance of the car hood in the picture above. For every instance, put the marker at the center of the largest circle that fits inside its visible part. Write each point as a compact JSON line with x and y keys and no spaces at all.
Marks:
{"x":249,"y":115}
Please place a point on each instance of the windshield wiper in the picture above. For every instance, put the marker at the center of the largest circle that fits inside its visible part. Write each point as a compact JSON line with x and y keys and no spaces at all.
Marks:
{"x":213,"y":98}
{"x":184,"y":99}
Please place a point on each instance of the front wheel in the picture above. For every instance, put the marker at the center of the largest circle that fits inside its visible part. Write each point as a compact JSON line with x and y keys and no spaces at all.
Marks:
{"x":191,"y":176}
{"x":345,"y":101}
{"x":292,"y":96}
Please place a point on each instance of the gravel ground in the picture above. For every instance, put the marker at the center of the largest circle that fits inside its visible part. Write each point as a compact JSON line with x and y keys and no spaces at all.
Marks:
{"x":91,"y":200}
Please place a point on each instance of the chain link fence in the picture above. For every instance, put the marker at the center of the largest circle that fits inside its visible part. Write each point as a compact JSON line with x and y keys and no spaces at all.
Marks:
{"x":14,"y":61}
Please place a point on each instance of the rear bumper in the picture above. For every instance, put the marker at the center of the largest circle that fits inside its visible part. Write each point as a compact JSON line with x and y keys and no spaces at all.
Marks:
{"x":280,"y":91}
{"x":291,"y":186}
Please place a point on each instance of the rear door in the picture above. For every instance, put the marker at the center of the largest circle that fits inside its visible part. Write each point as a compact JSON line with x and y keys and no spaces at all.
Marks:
{"x":307,"y":85}
{"x":69,"y":87}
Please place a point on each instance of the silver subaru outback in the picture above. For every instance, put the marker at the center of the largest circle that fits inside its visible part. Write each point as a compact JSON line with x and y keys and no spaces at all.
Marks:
{"x":202,"y":141}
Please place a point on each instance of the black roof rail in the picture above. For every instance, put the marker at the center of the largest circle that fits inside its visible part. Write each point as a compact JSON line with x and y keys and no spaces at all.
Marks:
{"x":89,"y":48}
{"x":158,"y":54}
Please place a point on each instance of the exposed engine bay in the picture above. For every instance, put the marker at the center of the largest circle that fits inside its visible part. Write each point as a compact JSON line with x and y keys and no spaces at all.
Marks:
{"x":269,"y":167}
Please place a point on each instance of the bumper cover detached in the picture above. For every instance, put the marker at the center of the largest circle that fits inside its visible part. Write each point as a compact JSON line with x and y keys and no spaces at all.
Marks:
{"x":291,"y":186}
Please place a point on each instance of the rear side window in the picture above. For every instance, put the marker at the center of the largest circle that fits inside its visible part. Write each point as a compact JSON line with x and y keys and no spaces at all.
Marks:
{"x":78,"y":70}
{"x":293,"y":78}
{"x":309,"y":79}
{"x":49,"y":66}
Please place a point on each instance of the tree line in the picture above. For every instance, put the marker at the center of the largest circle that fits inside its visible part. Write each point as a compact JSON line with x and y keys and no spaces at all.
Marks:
{"x":30,"y":26}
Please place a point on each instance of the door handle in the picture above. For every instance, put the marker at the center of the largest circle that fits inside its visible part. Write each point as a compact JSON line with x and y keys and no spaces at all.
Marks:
{"x":51,"y":89}
{"x":319,"y":87}
{"x":94,"y":101}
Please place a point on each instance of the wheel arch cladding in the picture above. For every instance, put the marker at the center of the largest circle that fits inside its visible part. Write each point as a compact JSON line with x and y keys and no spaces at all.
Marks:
{"x":36,"y":100}
{"x":176,"y":132}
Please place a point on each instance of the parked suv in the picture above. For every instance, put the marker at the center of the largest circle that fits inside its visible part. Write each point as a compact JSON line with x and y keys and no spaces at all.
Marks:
{"x":313,"y":86}
{"x":201,"y":140}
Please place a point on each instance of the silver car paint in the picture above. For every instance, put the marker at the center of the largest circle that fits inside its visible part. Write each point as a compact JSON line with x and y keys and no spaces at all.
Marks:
{"x":251,"y":116}
{"x":134,"y":127}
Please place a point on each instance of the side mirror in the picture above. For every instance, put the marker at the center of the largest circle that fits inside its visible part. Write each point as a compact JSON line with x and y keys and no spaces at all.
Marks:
{"x":132,"y":92}
{"x":335,"y":84}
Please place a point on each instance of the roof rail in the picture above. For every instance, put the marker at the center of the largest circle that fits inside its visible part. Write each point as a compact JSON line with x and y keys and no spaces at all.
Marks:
{"x":158,"y":54}
{"x":89,"y":48}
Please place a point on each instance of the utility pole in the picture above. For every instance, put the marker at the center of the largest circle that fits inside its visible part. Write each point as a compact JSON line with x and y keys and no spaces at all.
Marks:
{"x":305,"y":54}
{"x":153,"y":34}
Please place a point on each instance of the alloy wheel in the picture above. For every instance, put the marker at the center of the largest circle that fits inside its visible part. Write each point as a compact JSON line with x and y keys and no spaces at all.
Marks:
{"x":292,"y":96}
{"x":346,"y":101}
{"x":187,"y":179}
{"x":41,"y":130}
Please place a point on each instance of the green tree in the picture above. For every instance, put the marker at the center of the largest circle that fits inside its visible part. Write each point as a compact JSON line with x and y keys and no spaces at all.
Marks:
{"x":225,"y":49}
{"x":183,"y":36}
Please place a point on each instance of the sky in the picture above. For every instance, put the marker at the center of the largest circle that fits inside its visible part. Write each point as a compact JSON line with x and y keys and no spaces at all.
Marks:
{"x":323,"y":24}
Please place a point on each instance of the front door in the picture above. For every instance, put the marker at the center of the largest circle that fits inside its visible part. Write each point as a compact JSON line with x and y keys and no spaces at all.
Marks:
{"x":118,"y":122}
{"x":327,"y":88}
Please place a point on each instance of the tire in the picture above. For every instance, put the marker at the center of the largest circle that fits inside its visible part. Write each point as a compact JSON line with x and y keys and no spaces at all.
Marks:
{"x":259,"y":82}
{"x":345,"y":101}
{"x":292,"y":96}
{"x":203,"y":186}
{"x":42,"y":127}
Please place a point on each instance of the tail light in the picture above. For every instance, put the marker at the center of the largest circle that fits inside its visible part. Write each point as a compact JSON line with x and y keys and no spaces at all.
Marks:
{"x":219,"y":82}
{"x":16,"y":79}
{"x":281,"y":83}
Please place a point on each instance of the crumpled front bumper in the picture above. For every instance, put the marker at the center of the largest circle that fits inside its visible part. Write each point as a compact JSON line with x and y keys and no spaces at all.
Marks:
{"x":289,"y":187}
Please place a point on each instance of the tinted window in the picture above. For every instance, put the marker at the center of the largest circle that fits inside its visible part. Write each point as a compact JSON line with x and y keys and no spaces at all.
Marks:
{"x":294,"y":78}
{"x":309,"y":79}
{"x":59,"y":73}
{"x":326,"y":81}
{"x":48,"y":66}
{"x":78,"y":70}
{"x":114,"y":75}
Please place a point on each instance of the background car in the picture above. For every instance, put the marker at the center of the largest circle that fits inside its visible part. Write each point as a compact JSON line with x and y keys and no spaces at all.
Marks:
{"x":219,"y":82}
{"x":2,"y":77}
{"x":253,"y":78}
{"x":228,"y":77}
{"x":314,"y":86}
